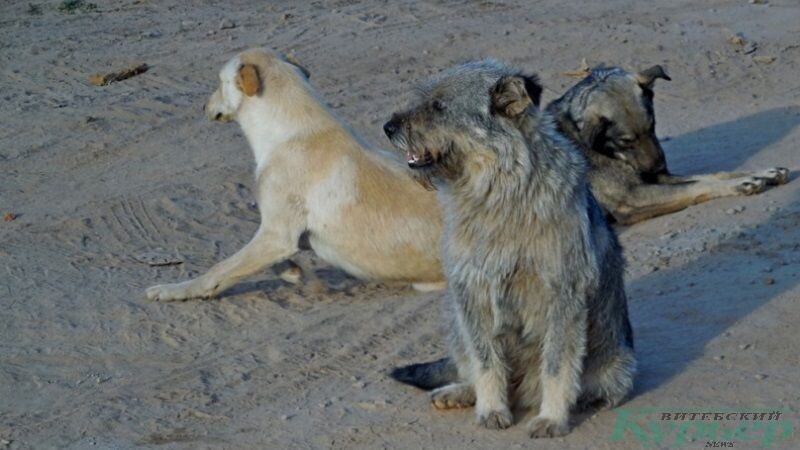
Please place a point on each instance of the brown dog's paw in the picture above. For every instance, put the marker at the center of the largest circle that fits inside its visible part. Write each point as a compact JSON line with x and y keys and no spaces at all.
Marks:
{"x":750,"y":185}
{"x":545,"y":427}
{"x":774,"y":176}
{"x":453,"y":396}
{"x":496,"y":420}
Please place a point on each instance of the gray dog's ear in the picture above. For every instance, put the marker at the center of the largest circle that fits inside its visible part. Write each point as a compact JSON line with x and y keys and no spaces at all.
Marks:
{"x":648,"y":76}
{"x":511,"y":95}
{"x":291,"y":59}
{"x":533,"y":88}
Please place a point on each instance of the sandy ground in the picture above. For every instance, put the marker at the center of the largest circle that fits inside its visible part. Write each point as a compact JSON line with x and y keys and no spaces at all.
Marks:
{"x":103,"y":178}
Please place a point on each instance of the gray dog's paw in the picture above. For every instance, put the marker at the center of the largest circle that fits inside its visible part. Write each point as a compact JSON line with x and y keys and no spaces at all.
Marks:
{"x":750,"y":185}
{"x":496,"y":420}
{"x":545,"y":427}
{"x":453,"y":396}
{"x":774,"y":176}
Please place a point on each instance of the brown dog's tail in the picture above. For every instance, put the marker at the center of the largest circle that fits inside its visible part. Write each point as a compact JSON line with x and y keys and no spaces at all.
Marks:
{"x":428,"y":375}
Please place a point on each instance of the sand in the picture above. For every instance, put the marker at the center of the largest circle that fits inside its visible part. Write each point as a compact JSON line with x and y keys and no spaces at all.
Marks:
{"x":115,"y":188}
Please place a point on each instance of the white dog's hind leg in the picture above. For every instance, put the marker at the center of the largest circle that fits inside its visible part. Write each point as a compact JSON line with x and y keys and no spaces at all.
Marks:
{"x":265,"y":249}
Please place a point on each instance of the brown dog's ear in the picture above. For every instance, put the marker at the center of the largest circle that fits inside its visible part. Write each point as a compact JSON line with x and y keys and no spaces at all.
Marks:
{"x":648,"y":76}
{"x":248,"y":80}
{"x":291,"y":59}
{"x":510,"y":97}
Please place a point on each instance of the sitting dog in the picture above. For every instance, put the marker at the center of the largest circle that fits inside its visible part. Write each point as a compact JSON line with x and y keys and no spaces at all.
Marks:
{"x":610,"y":116}
{"x":317,"y":181}
{"x":535,"y":274}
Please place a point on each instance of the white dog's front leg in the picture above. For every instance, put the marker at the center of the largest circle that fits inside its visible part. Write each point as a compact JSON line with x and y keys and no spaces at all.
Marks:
{"x":265,"y":249}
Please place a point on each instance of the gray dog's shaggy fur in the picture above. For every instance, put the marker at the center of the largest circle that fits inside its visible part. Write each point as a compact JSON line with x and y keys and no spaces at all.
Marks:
{"x":535,"y":274}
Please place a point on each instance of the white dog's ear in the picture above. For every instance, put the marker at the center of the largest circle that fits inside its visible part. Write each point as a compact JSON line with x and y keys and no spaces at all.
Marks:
{"x":291,"y":59}
{"x":248,"y":80}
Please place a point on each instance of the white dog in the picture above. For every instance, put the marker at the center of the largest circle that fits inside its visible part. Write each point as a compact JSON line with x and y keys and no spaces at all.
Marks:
{"x":315,"y":179}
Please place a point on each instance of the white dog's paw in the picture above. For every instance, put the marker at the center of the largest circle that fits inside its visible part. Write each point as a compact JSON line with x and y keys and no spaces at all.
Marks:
{"x":545,"y":427}
{"x":748,"y":185}
{"x":176,"y":291}
{"x":774,"y":175}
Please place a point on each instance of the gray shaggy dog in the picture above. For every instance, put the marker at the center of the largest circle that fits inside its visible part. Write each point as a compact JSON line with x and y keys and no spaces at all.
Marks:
{"x":535,"y":274}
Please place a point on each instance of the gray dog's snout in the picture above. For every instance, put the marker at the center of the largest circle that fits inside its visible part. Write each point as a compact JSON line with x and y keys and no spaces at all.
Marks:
{"x":390,"y":128}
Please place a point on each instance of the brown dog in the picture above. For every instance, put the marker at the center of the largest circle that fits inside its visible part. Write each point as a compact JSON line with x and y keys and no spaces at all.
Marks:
{"x":610,"y":116}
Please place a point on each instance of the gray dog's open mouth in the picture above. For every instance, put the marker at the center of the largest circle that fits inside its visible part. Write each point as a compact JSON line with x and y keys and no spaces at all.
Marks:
{"x":416,"y":160}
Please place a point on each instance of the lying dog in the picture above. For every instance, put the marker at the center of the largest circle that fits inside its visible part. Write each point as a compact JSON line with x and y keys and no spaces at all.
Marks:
{"x":610,"y":116}
{"x":317,"y":181}
{"x":535,"y":274}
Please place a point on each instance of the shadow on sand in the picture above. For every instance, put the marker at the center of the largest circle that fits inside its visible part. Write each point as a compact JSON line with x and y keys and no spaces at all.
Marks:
{"x":673,"y":329}
{"x":728,"y":145}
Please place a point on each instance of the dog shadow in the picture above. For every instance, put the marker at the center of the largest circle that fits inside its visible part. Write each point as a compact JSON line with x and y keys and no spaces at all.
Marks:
{"x":733,"y":276}
{"x":728,"y":145}
{"x":676,"y":311}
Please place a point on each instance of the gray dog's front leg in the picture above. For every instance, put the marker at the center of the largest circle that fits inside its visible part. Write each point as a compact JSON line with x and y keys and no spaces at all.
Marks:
{"x":560,"y":371}
{"x":488,"y":372}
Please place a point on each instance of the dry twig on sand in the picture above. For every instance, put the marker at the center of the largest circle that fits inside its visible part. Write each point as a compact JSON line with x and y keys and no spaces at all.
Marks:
{"x":100,"y":79}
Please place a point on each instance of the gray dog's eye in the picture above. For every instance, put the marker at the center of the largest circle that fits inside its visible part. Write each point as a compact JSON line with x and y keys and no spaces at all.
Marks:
{"x":438,"y":105}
